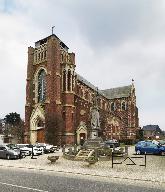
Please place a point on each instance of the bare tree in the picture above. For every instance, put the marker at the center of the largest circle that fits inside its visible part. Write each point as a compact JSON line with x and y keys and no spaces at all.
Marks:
{"x":54,"y":126}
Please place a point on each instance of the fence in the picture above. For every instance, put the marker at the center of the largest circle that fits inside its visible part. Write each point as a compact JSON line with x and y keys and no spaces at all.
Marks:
{"x":130,"y":158}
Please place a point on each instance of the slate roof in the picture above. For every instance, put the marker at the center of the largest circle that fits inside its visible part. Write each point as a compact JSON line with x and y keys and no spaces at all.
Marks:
{"x":118,"y":92}
{"x":151,"y":128}
{"x":83,"y":80}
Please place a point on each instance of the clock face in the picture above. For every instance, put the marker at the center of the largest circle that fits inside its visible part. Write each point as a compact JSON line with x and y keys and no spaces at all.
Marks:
{"x":41,"y":86}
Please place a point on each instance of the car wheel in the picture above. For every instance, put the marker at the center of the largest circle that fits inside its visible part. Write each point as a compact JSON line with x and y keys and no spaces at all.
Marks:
{"x":7,"y":157}
{"x":138,"y":152}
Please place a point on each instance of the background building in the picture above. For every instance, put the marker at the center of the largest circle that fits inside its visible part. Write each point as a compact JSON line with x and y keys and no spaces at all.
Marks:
{"x":152,"y":132}
{"x":59,"y":101}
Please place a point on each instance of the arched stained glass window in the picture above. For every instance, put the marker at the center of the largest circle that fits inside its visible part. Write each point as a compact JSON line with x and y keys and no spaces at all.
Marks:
{"x":41,"y":86}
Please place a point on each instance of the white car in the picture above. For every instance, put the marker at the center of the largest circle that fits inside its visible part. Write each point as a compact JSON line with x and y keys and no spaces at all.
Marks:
{"x":36,"y":150}
{"x":27,"y":149}
{"x":24,"y":150}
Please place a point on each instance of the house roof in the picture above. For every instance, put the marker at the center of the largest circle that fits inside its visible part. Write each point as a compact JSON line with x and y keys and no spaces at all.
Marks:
{"x":118,"y":92}
{"x":151,"y":128}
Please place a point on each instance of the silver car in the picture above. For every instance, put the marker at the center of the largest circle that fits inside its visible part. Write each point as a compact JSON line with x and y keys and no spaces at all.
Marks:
{"x":7,"y":153}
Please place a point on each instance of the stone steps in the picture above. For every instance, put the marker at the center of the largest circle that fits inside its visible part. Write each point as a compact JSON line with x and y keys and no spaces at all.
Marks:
{"x":84,"y":154}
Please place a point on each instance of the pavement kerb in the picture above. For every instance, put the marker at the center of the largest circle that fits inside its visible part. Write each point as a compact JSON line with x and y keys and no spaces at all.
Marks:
{"x":83,"y":174}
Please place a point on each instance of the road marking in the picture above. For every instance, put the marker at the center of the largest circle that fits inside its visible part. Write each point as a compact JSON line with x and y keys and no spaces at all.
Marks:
{"x":19,"y":186}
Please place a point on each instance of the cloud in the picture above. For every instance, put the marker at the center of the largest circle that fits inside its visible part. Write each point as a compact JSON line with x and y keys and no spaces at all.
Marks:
{"x":114,"y":41}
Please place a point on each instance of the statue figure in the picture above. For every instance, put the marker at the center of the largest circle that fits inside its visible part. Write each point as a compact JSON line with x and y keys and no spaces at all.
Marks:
{"x":95,"y":117}
{"x":95,"y":122}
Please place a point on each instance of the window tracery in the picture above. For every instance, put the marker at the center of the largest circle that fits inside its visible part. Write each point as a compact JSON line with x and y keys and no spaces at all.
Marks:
{"x":41,"y":85}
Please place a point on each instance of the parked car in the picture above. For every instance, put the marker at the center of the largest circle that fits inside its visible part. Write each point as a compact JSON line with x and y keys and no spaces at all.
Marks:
{"x":149,"y":147}
{"x":7,"y":153}
{"x":46,"y":147}
{"x":15,"y":148}
{"x":111,"y":143}
{"x":162,"y":142}
{"x":26,"y":148}
{"x":36,"y":150}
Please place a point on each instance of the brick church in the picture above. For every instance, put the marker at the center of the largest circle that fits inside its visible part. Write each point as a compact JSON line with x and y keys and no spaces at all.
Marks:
{"x":59,"y":101}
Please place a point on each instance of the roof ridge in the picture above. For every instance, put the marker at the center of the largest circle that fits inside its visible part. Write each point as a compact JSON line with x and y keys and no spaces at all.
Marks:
{"x":117,"y":87}
{"x":117,"y":92}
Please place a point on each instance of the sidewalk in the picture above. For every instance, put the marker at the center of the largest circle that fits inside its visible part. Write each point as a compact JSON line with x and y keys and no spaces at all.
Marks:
{"x":153,"y":172}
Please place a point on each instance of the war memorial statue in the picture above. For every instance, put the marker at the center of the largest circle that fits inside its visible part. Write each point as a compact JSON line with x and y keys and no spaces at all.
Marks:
{"x":94,"y":140}
{"x":95,"y":122}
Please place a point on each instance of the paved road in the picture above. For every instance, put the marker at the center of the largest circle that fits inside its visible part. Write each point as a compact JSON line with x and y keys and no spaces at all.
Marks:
{"x":13,"y":180}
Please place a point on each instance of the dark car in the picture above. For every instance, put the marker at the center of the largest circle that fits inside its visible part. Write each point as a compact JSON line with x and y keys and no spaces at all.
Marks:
{"x":7,"y":153}
{"x":15,"y":148}
{"x":149,"y":147}
{"x":111,"y":143}
{"x":46,"y":147}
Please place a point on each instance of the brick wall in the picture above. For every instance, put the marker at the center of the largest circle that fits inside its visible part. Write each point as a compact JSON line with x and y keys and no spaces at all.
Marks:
{"x":74,"y":106}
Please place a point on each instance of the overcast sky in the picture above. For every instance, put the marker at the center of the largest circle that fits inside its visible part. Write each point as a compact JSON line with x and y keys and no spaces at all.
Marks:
{"x":114,"y":41}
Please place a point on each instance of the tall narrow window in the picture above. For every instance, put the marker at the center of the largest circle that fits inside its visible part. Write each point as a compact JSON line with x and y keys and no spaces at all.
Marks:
{"x":112,"y":106}
{"x":69,"y":80}
{"x":45,"y":54}
{"x":73,"y":81}
{"x":123,"y":106}
{"x":64,"y":80}
{"x":41,"y":86}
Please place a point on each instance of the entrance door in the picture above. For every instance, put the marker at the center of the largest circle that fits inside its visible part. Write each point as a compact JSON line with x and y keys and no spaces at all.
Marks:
{"x":82,"y":138}
{"x":41,"y":135}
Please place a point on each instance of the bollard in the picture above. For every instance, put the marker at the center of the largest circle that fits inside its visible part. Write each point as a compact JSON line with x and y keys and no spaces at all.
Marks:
{"x":112,"y":159}
{"x":126,"y":150}
{"x":75,"y":149}
{"x":70,"y":151}
{"x":96,"y":154}
{"x":63,"y":149}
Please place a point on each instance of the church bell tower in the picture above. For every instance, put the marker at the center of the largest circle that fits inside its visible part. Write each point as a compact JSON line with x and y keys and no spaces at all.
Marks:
{"x":50,"y":93}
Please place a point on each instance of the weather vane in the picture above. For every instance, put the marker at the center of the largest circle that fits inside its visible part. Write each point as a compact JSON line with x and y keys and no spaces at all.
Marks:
{"x":52,"y":29}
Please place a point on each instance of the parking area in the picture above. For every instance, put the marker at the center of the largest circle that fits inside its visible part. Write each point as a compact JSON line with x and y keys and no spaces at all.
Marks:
{"x":155,"y":170}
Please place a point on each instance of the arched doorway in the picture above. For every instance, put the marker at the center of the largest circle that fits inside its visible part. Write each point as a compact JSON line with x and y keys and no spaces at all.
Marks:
{"x":37,"y":125}
{"x":81,"y":133}
{"x":82,"y":138}
{"x":40,"y":132}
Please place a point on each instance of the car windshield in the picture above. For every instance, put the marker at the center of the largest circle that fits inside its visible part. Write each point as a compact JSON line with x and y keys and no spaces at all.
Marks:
{"x":21,"y":146}
{"x":11,"y":146}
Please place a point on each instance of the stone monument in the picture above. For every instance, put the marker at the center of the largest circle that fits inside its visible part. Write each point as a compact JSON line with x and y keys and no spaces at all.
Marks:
{"x":95,"y":122}
{"x":94,"y":140}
